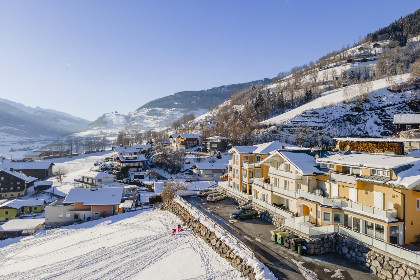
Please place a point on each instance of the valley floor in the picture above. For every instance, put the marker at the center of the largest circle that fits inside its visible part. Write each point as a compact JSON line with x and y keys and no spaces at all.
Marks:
{"x":134,"y":245}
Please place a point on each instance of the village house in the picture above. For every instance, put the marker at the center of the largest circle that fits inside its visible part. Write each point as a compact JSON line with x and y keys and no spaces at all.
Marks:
{"x":37,"y":169}
{"x":82,"y":205}
{"x":10,"y":209}
{"x":93,"y":179}
{"x":42,"y":185}
{"x":405,"y":122}
{"x":14,"y":184}
{"x":132,"y":162}
{"x":20,"y":227}
{"x":184,"y":141}
{"x":209,"y":171}
{"x":143,"y":148}
{"x":33,"y":156}
{"x":215,"y":144}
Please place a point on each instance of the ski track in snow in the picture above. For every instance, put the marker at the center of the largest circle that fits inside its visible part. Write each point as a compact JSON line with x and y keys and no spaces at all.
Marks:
{"x":127,"y":246}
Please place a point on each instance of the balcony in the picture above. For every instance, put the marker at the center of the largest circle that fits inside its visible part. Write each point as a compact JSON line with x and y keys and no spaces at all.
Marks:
{"x":320,"y":199}
{"x":285,"y":174}
{"x":349,"y":179}
{"x":387,"y":214}
{"x":272,"y":208}
{"x":251,"y":165}
{"x":225,"y":186}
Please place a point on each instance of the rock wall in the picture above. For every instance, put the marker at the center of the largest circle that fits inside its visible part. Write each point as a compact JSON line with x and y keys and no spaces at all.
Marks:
{"x":210,"y":238}
{"x":269,"y":216}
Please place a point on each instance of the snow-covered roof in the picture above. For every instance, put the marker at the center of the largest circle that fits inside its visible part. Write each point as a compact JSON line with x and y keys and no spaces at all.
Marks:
{"x":32,"y":153}
{"x":206,"y":165}
{"x":370,"y":160}
{"x":19,"y":203}
{"x":303,"y":161}
{"x":269,"y":147}
{"x":158,"y":186}
{"x":26,"y":165}
{"x":406,"y":168}
{"x":243,"y":149}
{"x":217,"y":138}
{"x":265,"y":148}
{"x":106,"y":196}
{"x":98,"y":175}
{"x":21,"y":224}
{"x":377,"y":139}
{"x":43,"y":183}
{"x":126,"y":150}
{"x":406,"y":118}
{"x":27,"y":179}
{"x":127,"y":204}
{"x":132,"y":158}
{"x":142,"y":146}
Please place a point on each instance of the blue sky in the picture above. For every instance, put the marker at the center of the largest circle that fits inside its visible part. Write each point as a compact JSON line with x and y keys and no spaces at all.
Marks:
{"x":91,"y":57}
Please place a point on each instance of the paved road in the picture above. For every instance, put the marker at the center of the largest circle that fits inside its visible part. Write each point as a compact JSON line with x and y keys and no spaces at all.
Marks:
{"x":256,"y":235}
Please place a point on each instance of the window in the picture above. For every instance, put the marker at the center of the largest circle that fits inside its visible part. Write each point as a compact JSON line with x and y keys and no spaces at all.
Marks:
{"x":277,"y":165}
{"x":97,"y":215}
{"x":2,"y":178}
{"x":378,"y":200}
{"x":338,"y":218}
{"x":61,"y":215}
{"x":318,"y":214}
{"x":418,"y":203}
{"x":356,"y":224}
{"x":6,"y":212}
{"x":258,"y":158}
{"x":326,"y":216}
{"x":298,"y":187}
{"x":355,"y":171}
{"x":286,"y":184}
{"x":369,"y":228}
{"x":379,"y":232}
{"x":68,"y":214}
{"x":346,"y":221}
{"x":18,"y":183}
{"x":353,"y":194}
{"x":286,"y":166}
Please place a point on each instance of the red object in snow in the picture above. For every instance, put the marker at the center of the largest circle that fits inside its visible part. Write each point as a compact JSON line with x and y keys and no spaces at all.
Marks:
{"x":179,"y":228}
{"x":173,"y":231}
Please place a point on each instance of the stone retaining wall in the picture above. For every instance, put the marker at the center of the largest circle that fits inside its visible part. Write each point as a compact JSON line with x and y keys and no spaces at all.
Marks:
{"x":210,"y":238}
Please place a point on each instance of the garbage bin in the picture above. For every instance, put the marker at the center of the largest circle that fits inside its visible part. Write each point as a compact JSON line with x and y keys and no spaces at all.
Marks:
{"x":280,"y":237}
{"x":274,"y":235}
{"x":299,"y":249}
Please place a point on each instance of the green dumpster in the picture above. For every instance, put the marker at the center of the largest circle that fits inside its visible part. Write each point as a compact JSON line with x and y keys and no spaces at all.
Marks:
{"x":280,"y":237}
{"x":274,"y":234}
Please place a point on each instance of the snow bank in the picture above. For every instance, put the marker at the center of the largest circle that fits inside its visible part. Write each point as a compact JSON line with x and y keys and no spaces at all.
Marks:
{"x":262,"y":272}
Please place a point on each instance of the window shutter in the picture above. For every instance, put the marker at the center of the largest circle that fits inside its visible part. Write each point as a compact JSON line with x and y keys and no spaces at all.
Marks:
{"x":353,"y":194}
{"x":334,"y":190}
{"x":378,"y":200}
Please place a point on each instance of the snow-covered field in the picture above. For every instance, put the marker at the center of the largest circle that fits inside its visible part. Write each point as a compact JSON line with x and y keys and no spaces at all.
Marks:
{"x":127,"y":246}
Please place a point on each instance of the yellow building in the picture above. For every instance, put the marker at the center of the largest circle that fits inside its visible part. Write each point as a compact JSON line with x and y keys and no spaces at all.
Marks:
{"x":379,"y":195}
{"x":13,"y":208}
{"x":245,"y":165}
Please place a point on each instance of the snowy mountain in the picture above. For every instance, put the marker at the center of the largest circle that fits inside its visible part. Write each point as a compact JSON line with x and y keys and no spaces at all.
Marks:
{"x":23,"y":121}
{"x":162,"y":112}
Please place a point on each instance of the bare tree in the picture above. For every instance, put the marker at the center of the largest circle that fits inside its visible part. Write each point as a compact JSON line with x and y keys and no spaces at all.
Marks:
{"x":59,"y":173}
{"x":171,"y":188}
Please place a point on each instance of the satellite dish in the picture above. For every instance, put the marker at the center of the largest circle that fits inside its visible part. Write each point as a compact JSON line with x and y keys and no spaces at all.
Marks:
{"x":389,"y":205}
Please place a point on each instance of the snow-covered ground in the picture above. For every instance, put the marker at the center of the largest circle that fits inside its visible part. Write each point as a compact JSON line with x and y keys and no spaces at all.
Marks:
{"x":127,"y":246}
{"x":331,"y":98}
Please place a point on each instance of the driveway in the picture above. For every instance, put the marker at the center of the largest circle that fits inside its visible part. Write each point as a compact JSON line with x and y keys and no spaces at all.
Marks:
{"x":256,"y":234}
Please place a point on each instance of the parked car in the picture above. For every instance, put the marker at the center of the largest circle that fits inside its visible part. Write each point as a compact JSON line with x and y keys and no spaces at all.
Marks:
{"x":216,"y":197}
{"x":244,"y":214}
{"x":206,"y":192}
{"x":245,"y":207}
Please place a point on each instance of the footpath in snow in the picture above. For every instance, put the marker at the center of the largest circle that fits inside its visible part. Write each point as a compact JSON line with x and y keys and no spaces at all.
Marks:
{"x":136,"y":245}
